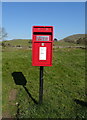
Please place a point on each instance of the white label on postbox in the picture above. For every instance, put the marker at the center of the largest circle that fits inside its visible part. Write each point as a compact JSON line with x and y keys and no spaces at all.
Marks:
{"x":42,"y":53}
{"x":42,"y":38}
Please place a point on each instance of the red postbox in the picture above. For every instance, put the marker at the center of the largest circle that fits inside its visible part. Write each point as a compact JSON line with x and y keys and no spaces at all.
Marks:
{"x":42,"y":43}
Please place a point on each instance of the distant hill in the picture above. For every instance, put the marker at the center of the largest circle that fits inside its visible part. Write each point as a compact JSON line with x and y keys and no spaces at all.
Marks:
{"x":17,"y":43}
{"x":77,"y":38}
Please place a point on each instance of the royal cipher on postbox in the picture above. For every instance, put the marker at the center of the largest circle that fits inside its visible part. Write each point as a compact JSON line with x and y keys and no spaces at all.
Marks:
{"x":42,"y":44}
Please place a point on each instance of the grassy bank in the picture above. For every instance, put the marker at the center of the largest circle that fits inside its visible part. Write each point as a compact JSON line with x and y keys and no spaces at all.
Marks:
{"x":64,"y":85}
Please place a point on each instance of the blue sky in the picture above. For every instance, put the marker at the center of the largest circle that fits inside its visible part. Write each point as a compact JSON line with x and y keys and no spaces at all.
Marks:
{"x":68,"y":18}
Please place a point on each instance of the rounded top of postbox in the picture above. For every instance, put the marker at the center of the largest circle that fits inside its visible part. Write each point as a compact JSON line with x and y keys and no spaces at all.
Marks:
{"x":42,"y":28}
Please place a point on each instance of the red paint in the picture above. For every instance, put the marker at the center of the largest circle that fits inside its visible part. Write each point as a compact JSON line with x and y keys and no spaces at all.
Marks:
{"x":42,"y":36}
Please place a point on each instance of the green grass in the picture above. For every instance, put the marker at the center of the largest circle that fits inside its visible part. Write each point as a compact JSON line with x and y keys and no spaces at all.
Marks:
{"x":63,"y":43}
{"x":63,"y":83}
{"x":0,"y":81}
{"x":18,"y":42}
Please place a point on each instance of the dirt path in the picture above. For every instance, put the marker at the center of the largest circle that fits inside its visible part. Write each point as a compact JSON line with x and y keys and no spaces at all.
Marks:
{"x":11,"y":99}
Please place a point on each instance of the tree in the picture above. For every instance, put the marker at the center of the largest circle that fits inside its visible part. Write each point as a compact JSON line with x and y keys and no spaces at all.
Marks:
{"x":55,"y":39}
{"x":3,"y":33}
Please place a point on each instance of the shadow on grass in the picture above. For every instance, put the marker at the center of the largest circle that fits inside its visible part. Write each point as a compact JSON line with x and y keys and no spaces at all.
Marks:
{"x":80,"y":102}
{"x":19,"y":79}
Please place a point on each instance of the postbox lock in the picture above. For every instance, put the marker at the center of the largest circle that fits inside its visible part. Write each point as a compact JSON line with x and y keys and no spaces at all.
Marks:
{"x":42,"y":44}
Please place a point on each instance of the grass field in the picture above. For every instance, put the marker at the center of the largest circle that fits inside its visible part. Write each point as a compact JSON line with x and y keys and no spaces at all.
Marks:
{"x":64,"y":85}
{"x":0,"y":81}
